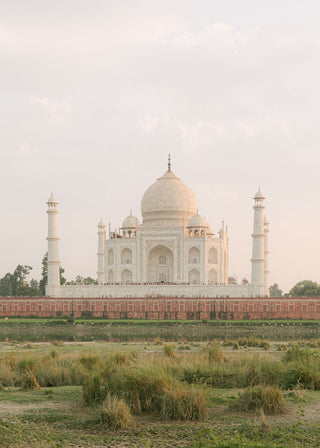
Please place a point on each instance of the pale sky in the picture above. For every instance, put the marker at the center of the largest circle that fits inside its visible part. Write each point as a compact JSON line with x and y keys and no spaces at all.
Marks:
{"x":96,"y":93}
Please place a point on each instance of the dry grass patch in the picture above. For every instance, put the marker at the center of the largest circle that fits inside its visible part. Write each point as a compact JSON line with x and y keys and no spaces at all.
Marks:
{"x":267,"y":398}
{"x":115,"y":413}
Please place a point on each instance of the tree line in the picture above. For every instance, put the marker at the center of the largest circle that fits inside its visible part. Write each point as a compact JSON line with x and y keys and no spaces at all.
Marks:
{"x":16,"y":284}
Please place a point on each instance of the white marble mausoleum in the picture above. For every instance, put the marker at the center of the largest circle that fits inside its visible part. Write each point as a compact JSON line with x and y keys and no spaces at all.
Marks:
{"x":173,"y":252}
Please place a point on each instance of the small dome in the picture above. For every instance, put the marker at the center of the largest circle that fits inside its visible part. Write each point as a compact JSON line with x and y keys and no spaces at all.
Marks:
{"x":52,"y":200}
{"x":101,"y":223}
{"x":259,"y":195}
{"x":197,"y":221}
{"x":130,"y":222}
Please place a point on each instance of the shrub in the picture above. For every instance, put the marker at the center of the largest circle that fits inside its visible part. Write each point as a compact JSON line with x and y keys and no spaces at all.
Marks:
{"x":259,"y":370}
{"x":267,"y":398}
{"x":183,"y":403}
{"x":29,"y":381}
{"x":27,"y":364}
{"x":115,"y":413}
{"x":215,"y":353}
{"x":298,"y":353}
{"x":92,"y":392}
{"x":303,"y":373}
{"x":236,"y":345}
{"x":141,"y":387}
{"x":89,"y":361}
{"x":120,"y":358}
{"x":54,"y":354}
{"x":169,"y":350}
{"x":57,"y":343}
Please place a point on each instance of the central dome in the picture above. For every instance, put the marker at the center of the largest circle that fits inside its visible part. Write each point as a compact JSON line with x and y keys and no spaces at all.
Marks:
{"x":168,"y":202}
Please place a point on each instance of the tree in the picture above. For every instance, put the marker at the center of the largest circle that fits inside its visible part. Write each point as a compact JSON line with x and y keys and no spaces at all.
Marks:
{"x":16,"y":284}
{"x":44,"y":275}
{"x":34,"y":283}
{"x":275,"y":291}
{"x":6,"y":285}
{"x":79,"y":280}
{"x":89,"y":281}
{"x":19,"y":278}
{"x":306,"y":288}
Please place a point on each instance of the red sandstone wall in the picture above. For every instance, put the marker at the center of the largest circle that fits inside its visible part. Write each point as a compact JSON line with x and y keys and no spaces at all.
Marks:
{"x":166,"y":308}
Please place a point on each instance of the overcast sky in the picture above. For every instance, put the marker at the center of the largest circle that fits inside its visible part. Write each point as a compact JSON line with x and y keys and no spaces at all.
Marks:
{"x":96,"y":93}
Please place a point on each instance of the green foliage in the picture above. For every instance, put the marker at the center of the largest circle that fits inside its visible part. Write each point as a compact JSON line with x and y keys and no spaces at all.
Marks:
{"x":298,"y":353}
{"x":267,"y":398}
{"x":115,"y":413}
{"x":89,"y":361}
{"x":92,"y":392}
{"x":44,"y":275}
{"x":306,"y":288}
{"x":16,"y":284}
{"x":275,"y":291}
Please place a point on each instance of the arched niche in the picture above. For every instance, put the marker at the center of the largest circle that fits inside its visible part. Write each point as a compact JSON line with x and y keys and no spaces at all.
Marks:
{"x":110,"y":276}
{"x":213,"y":256}
{"x":110,"y":256}
{"x":126,"y":256}
{"x":160,"y":265}
{"x":194,"y":256}
{"x":126,"y":276}
{"x":194,"y":277}
{"x":213,"y":276}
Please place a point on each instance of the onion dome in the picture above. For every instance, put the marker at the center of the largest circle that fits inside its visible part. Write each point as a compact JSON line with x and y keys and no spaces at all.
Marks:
{"x":130,"y":222}
{"x":197,"y":221}
{"x":168,"y":201}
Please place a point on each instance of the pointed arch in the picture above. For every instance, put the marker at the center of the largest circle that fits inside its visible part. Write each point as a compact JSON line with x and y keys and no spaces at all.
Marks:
{"x":194,"y":277}
{"x":160,"y":265}
{"x":110,"y":256}
{"x":213,"y":256}
{"x":126,"y":256}
{"x":194,"y":255}
{"x":126,"y":276}
{"x":212,"y":277}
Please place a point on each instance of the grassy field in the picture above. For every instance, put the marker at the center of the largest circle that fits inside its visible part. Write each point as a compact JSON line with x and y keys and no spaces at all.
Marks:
{"x":236,"y":392}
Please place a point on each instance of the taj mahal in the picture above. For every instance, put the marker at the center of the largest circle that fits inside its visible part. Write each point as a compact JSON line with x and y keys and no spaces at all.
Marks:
{"x":173,"y":252}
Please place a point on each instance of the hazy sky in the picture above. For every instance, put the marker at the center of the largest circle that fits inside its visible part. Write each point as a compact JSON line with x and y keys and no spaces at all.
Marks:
{"x":95,"y":94}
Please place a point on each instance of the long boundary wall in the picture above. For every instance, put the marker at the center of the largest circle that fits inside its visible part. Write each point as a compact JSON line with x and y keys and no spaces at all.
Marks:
{"x":166,"y":308}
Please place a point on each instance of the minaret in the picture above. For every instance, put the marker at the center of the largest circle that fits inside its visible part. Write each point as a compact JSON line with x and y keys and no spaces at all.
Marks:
{"x":53,"y":286}
{"x":257,"y":260}
{"x":266,"y":254}
{"x":101,"y":259}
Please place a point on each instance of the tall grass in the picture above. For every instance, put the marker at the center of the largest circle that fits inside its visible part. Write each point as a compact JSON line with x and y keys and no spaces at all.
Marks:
{"x":267,"y":398}
{"x":115,"y":413}
{"x":142,"y":379}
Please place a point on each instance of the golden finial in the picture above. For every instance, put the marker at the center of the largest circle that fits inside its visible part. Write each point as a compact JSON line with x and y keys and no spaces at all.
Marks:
{"x":169,"y":162}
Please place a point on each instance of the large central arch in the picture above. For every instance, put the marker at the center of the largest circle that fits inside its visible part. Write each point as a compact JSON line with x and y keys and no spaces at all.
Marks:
{"x":160,"y":265}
